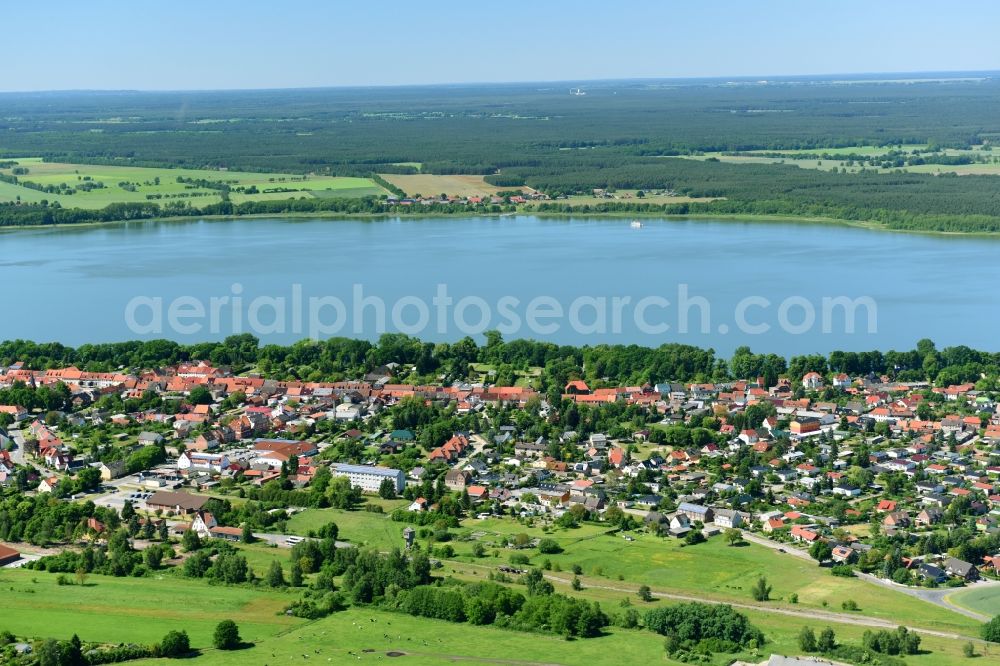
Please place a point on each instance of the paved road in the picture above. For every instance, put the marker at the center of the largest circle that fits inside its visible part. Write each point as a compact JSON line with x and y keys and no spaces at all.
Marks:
{"x":17,"y":454}
{"x":775,"y":545}
{"x":281,"y":540}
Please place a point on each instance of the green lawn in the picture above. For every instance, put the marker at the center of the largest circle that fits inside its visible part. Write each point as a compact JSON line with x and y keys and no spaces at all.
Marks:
{"x":985,"y":600}
{"x":260,"y":555}
{"x":135,"y":609}
{"x":362,"y":528}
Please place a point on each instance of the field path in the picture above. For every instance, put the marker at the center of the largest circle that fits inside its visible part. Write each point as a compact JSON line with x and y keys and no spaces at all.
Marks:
{"x":827,"y":616}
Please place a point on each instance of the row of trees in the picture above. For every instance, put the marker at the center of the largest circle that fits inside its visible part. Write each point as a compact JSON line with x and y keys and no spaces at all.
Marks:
{"x":338,"y":358}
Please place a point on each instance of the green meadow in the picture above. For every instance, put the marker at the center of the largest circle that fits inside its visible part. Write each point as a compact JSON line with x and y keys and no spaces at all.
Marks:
{"x":361,"y":528}
{"x":711,"y":570}
{"x":139,"y":610}
{"x":142,"y":610}
{"x":981,"y":599}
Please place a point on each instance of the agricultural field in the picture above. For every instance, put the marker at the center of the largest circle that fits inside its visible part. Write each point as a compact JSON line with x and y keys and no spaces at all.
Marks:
{"x":982,"y":599}
{"x":806,"y":159}
{"x":431,"y":185}
{"x":630,"y":197}
{"x":141,"y":184}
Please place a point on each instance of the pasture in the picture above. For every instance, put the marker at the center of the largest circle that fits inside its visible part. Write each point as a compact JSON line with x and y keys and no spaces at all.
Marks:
{"x":138,"y":184}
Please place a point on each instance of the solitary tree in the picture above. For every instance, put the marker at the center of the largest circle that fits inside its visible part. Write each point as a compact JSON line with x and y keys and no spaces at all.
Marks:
{"x":827,"y":640}
{"x":387,"y":489}
{"x":275,"y":575}
{"x":190,"y":541}
{"x":227,"y":635}
{"x":644,"y":593}
{"x":734,"y":536}
{"x":295,"y":573}
{"x":807,"y":640}
{"x":761,"y":590}
{"x":820,"y":551}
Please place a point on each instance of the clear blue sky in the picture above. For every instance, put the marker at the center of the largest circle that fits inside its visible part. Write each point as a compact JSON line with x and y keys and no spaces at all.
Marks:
{"x":182,"y":44}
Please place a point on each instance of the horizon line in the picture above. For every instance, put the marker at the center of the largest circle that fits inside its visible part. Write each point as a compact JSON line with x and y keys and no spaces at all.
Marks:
{"x":955,"y":74}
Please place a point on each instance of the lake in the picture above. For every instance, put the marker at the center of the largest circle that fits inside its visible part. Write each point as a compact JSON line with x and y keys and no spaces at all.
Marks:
{"x":772,"y":286}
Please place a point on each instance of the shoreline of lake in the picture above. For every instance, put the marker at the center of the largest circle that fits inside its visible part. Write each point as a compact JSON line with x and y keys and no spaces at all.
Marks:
{"x":581,"y":215}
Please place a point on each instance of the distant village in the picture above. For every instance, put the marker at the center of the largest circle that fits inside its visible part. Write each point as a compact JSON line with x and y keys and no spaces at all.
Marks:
{"x":834,"y":466}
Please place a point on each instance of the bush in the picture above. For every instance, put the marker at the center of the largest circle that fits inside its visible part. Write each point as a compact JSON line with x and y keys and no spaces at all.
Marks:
{"x":901,"y":641}
{"x":691,"y":622}
{"x":694,"y":537}
{"x":843,"y":570}
{"x":226,"y":636}
{"x":549,"y":547}
{"x":991,"y":630}
{"x":175,"y":644}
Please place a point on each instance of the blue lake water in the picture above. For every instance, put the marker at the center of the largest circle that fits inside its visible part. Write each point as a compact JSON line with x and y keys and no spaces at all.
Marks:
{"x":76,"y":285}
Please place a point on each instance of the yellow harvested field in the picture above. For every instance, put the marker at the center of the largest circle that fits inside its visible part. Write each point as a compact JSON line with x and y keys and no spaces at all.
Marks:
{"x":432,"y":185}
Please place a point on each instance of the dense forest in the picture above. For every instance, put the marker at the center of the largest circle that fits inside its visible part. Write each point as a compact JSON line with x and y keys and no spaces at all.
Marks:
{"x":618,"y":135}
{"x":477,"y":129}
